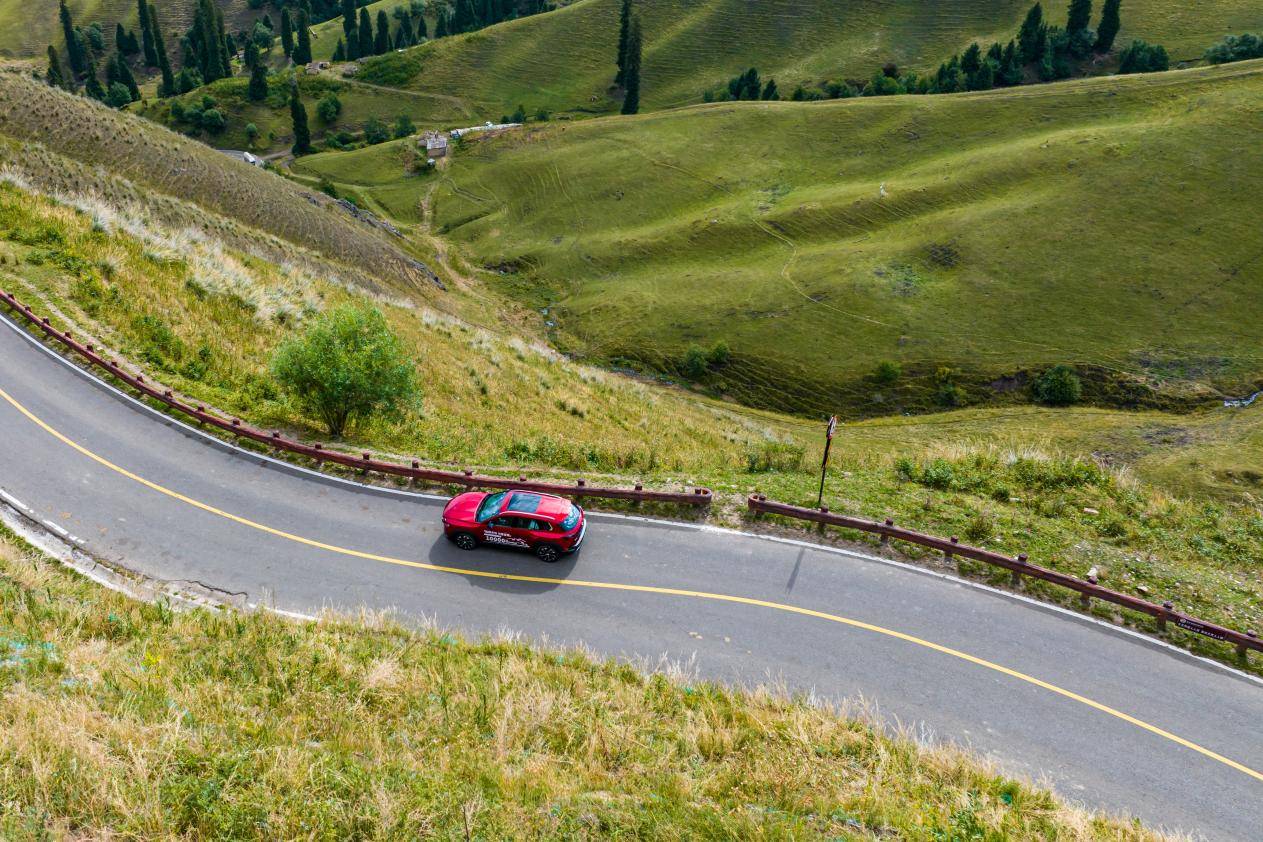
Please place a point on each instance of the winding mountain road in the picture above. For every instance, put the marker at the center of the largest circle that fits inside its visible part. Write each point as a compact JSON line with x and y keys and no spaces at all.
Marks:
{"x":1111,"y":719}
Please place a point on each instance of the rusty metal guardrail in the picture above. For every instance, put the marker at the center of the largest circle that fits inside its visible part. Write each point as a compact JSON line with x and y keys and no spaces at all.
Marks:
{"x":1018,"y":567}
{"x":322,"y":454}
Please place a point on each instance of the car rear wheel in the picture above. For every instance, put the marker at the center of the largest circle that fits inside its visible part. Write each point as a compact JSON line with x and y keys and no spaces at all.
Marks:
{"x":464,"y":540}
{"x":548,"y":553}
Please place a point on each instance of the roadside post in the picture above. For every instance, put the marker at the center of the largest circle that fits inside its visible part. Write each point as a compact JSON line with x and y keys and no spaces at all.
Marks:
{"x":824,"y":463}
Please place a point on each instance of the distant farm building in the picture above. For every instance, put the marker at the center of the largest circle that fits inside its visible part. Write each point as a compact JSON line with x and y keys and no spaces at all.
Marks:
{"x":436,"y":145}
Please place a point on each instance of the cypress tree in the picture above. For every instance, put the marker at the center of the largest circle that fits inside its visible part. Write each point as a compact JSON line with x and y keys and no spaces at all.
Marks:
{"x":770,"y":92}
{"x":366,"y":34}
{"x":624,"y":32}
{"x":1107,"y":31}
{"x":223,"y":42}
{"x":381,"y":44}
{"x":287,"y":32}
{"x":1078,"y":16}
{"x":1031,"y":36}
{"x":252,"y":54}
{"x":339,"y":52}
{"x":74,"y":43}
{"x":160,"y":46}
{"x":126,"y":77}
{"x":302,"y":134}
{"x":258,"y":90}
{"x":440,"y":25}
{"x":423,"y":31}
{"x":146,"y":34}
{"x":302,"y":50}
{"x":971,"y":59}
{"x":120,"y":37}
{"x":350,"y":30}
{"x":56,"y":75}
{"x":407,"y":30}
{"x":92,"y":85}
{"x":631,"y":83}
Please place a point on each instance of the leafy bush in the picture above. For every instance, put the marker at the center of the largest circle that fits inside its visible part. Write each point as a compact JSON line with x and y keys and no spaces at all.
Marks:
{"x":345,"y":366}
{"x":1235,"y":48}
{"x":980,"y":527}
{"x":1058,"y":386}
{"x":404,"y":127}
{"x":938,"y":474}
{"x":213,"y":121}
{"x":375,"y":131}
{"x":329,"y":107}
{"x":887,"y":372}
{"x":1142,"y":57}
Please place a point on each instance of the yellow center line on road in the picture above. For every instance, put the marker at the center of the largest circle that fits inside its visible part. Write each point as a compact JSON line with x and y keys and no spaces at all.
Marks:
{"x":649,"y":589}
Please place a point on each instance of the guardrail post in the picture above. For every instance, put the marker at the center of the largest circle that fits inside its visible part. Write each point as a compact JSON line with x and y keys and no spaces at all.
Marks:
{"x":947,"y":554}
{"x":636,"y":502}
{"x":885,"y":539}
{"x":412,"y":480}
{"x":824,"y":510}
{"x":1162,"y":621}
{"x":1242,"y":651}
{"x":1015,"y":578}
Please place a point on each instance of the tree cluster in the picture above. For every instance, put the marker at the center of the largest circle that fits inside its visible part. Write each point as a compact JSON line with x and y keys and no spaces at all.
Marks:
{"x":201,"y":114}
{"x":1141,"y":57}
{"x":1235,"y":48}
{"x":745,"y":86}
{"x":85,"y":45}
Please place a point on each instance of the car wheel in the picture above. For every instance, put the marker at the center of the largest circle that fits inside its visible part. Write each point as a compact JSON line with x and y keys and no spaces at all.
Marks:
{"x":547,"y":552}
{"x":465,"y":541}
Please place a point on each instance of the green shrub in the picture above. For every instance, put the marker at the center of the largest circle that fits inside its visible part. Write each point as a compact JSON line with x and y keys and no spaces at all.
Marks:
{"x":980,"y":527}
{"x":938,"y":474}
{"x":887,"y":372}
{"x":345,"y":366}
{"x":329,"y":107}
{"x":1058,"y":386}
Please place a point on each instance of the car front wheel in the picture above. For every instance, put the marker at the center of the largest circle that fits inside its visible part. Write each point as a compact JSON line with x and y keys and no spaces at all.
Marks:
{"x":548,"y":553}
{"x":465,"y":541}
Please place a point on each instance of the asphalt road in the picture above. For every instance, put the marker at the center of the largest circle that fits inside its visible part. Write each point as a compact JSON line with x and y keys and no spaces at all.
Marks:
{"x":1112,"y":720}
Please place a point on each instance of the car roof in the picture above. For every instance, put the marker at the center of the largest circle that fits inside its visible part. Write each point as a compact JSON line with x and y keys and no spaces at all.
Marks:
{"x":531,"y":504}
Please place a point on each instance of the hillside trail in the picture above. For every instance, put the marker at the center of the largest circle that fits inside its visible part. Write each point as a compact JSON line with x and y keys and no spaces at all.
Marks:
{"x":461,"y":104}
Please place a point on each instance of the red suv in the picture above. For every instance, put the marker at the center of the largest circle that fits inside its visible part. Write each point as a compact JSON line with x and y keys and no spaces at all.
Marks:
{"x":548,"y":525}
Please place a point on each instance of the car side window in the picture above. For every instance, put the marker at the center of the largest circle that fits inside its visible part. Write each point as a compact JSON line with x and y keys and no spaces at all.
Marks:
{"x":540,"y":526}
{"x":503,"y":522}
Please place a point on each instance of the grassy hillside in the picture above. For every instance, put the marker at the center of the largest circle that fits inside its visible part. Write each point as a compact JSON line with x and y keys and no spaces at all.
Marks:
{"x":565,"y":61}
{"x":128,"y":719}
{"x":972,"y":240}
{"x":37,"y":121}
{"x":27,"y":27}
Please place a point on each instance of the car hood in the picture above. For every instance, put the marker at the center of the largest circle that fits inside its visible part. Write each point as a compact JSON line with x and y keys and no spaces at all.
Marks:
{"x":464,"y":506}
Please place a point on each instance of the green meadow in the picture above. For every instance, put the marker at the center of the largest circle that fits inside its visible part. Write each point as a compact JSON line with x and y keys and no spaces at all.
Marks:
{"x":969,"y":240}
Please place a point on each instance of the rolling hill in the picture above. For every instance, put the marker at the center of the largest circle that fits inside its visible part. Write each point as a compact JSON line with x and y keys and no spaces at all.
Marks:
{"x":74,"y":143}
{"x":563,"y":61}
{"x":971,"y":240}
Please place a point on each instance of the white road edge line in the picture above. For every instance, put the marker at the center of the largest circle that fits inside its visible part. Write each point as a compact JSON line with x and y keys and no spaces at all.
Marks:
{"x":281,"y":464}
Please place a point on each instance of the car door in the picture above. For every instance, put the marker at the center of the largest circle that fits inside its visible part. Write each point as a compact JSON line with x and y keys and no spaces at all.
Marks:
{"x":507,"y":531}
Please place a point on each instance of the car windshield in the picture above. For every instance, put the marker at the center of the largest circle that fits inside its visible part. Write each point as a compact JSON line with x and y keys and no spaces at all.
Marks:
{"x":572,"y":519}
{"x":490,"y":506}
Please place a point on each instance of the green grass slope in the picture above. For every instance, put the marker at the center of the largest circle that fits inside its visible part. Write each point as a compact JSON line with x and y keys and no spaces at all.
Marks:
{"x":1110,"y":224}
{"x":38,"y":121}
{"x":564,"y":61}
